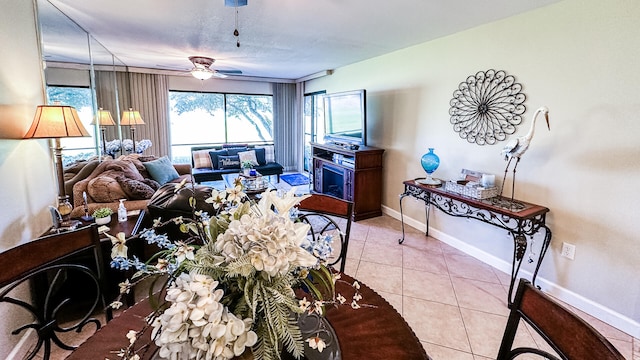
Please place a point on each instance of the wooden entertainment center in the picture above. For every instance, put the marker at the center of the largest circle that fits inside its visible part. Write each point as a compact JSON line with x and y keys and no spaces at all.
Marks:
{"x":350,"y":173}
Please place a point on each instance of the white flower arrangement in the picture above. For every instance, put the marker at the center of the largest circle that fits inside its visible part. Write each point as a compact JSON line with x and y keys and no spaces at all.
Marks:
{"x":113,"y":147}
{"x":196,"y":313}
{"x":232,"y":285}
{"x":141,"y":146}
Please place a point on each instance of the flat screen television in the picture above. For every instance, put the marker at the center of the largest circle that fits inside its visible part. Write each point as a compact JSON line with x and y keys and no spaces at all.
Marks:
{"x":345,"y":117}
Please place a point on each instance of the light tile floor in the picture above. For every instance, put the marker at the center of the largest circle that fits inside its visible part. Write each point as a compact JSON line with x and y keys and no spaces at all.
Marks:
{"x":456,"y":305}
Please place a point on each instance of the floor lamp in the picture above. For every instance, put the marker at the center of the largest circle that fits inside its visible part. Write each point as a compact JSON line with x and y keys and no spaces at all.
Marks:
{"x":103,"y":119}
{"x":131,"y":118}
{"x":55,"y":122}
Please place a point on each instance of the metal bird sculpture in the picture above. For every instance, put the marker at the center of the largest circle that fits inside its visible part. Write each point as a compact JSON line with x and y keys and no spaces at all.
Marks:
{"x":517,"y":147}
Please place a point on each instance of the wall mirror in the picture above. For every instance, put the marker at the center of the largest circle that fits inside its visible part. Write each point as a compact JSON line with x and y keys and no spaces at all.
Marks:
{"x":81,"y":72}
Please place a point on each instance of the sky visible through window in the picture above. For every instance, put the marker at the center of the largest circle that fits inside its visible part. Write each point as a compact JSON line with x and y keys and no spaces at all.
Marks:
{"x":201,"y":119}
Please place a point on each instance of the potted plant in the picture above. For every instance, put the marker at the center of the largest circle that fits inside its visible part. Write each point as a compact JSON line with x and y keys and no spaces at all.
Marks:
{"x":103,"y":215}
{"x":246,"y":167}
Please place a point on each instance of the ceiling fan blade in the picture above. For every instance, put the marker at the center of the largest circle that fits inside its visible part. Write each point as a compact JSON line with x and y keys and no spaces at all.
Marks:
{"x":230,"y":72}
{"x":176,"y":68}
{"x":219,"y":75}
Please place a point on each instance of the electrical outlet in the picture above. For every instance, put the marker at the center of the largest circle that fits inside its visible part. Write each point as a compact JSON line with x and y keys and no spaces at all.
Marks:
{"x":568,"y":250}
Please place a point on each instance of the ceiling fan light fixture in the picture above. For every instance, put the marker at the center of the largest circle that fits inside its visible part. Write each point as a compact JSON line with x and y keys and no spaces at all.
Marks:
{"x":202,"y":74}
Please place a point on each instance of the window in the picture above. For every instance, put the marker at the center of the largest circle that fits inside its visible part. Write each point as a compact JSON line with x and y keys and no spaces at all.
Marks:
{"x":198,"y":118}
{"x":80,"y":98}
{"x":313,"y":124}
{"x":249,"y":118}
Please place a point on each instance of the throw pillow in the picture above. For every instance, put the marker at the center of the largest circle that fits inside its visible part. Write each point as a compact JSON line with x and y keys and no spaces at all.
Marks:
{"x":161,"y":170}
{"x":270,"y":154}
{"x":260,"y":156}
{"x":249,"y":156}
{"x":236,"y":150}
{"x":229,"y":162}
{"x":104,"y":189}
{"x":135,"y":190}
{"x":201,"y":159}
{"x":214,"y":157}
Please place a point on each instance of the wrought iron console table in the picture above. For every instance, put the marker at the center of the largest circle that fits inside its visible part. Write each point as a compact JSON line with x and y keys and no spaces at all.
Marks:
{"x":526,"y":221}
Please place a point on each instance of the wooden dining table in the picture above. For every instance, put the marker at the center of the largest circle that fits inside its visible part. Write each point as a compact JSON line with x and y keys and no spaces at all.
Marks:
{"x":376,"y":331}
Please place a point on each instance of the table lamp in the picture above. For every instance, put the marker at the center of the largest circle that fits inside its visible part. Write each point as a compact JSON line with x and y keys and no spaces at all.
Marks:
{"x":55,"y":122}
{"x":103,"y":119}
{"x":132,"y":117}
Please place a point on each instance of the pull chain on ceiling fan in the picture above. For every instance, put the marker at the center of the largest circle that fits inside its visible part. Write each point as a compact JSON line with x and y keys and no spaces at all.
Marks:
{"x":202,"y":64}
{"x":236,"y":33}
{"x":236,"y":4}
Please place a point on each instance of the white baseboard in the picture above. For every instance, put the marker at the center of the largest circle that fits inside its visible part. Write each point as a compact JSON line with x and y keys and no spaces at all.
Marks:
{"x":617,"y":320}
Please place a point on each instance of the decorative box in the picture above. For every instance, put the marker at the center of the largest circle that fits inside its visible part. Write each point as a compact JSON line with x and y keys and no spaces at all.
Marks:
{"x":473,"y":191}
{"x":469,"y":185}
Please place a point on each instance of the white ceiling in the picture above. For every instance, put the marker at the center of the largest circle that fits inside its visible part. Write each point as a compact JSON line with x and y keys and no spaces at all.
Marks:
{"x":287,"y":39}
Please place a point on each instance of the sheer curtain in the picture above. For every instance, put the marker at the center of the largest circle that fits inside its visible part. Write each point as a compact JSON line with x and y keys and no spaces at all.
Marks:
{"x":288,"y":136}
{"x":147,"y":93}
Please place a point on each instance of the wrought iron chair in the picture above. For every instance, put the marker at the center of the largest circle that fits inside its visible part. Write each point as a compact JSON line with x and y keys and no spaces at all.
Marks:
{"x":320,"y":211}
{"x":65,"y":290}
{"x":567,"y":334}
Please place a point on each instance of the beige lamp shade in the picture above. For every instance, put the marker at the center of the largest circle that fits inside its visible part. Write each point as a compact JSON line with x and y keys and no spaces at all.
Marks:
{"x":56,"y":121}
{"x":131,"y":117}
{"x":104,"y":118}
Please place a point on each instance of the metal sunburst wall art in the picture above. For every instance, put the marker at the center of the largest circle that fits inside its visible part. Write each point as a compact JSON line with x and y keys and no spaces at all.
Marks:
{"x":487,"y":107}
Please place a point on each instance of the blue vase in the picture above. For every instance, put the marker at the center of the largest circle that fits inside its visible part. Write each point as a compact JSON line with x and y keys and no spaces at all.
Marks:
{"x":430,"y":162}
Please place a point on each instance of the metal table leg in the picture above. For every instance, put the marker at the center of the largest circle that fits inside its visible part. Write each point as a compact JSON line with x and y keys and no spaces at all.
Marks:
{"x":402,"y":196}
{"x":424,"y":196}
{"x":427,"y":207}
{"x":543,"y":250}
{"x":519,"y":249}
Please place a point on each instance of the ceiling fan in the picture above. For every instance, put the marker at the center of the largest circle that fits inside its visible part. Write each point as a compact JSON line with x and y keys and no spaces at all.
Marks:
{"x":202,"y":68}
